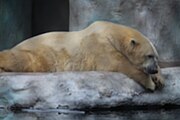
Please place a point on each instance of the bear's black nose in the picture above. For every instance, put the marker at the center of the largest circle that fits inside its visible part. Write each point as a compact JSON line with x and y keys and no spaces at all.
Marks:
{"x":152,"y":70}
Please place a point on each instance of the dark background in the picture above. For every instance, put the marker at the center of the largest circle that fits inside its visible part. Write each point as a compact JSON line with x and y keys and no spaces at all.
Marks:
{"x":50,"y":15}
{"x":21,"y":19}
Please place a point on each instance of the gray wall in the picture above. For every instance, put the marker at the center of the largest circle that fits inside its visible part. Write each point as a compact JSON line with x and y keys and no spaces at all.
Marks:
{"x":159,"y":20}
{"x":15,"y":22}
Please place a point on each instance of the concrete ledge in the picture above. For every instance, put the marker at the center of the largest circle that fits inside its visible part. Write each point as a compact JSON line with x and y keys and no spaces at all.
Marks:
{"x":83,"y":90}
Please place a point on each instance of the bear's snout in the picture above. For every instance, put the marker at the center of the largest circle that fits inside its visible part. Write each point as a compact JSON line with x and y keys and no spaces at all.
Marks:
{"x":151,"y":67}
{"x":152,"y":70}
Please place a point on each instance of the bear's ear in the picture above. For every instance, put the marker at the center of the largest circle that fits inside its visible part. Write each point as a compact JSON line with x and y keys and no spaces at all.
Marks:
{"x":134,"y":42}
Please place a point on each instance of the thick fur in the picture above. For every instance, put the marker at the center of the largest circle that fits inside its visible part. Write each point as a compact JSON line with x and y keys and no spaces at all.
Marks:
{"x":103,"y":46}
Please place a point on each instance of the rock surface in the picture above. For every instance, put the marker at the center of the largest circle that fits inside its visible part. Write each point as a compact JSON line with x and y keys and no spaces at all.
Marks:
{"x":158,"y":20}
{"x":83,"y":90}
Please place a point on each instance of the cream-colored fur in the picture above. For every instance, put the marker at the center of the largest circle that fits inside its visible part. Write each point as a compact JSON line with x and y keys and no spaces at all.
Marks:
{"x":103,"y":46}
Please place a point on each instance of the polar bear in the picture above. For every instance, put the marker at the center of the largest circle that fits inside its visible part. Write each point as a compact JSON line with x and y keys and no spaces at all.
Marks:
{"x":103,"y":46}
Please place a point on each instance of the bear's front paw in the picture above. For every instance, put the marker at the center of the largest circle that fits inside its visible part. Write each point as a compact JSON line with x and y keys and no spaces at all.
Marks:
{"x":158,"y":80}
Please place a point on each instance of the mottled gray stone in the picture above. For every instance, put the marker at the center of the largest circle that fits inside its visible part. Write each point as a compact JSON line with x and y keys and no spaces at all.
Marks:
{"x":83,"y":90}
{"x":159,"y":20}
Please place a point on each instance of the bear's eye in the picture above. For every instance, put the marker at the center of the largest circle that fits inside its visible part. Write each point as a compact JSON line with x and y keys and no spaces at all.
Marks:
{"x":133,"y":42}
{"x":150,"y":56}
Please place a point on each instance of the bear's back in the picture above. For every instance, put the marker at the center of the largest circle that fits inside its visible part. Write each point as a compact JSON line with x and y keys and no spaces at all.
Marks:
{"x":61,"y":40}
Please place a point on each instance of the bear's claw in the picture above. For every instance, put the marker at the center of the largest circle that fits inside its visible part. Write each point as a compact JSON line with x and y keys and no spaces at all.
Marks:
{"x":158,"y":80}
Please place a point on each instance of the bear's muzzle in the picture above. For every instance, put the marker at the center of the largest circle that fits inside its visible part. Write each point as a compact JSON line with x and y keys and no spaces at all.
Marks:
{"x":152,"y":70}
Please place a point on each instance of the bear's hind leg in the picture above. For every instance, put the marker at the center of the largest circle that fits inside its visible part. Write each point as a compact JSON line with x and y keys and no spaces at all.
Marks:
{"x":13,"y":61}
{"x":7,"y":61}
{"x":22,"y":61}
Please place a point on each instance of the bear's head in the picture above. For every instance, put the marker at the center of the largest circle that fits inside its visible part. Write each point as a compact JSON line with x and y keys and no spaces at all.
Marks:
{"x":142,"y":54}
{"x":136,"y":48}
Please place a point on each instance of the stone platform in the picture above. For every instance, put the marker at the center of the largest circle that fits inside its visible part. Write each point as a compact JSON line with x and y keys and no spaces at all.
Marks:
{"x":84,"y":91}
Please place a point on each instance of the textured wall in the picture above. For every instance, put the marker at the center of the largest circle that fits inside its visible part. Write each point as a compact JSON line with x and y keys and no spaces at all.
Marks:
{"x":159,"y":20}
{"x":15,"y":22}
